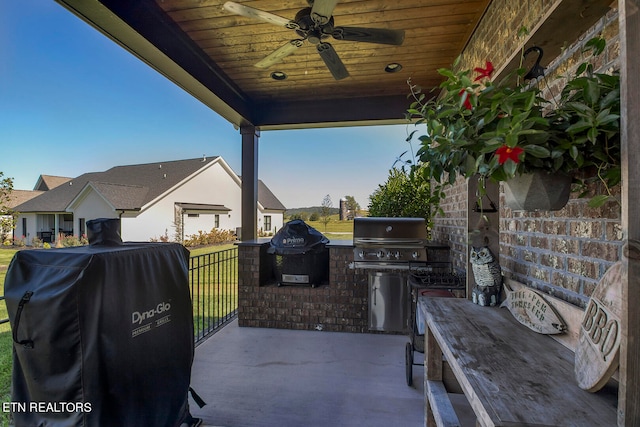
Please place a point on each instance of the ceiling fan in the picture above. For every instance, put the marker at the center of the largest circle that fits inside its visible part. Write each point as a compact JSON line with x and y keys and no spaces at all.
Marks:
{"x":315,"y":24}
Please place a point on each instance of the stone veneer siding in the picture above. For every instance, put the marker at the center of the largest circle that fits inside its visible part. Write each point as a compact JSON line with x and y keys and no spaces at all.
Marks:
{"x":341,"y":305}
{"x":562,"y":253}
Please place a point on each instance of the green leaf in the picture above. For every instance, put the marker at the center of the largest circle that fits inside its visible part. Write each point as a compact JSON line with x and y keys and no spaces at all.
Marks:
{"x":606,"y":119}
{"x":510,"y":167}
{"x":537,"y":151}
{"x":446,"y":72}
{"x":580,"y":107}
{"x":582,"y":68}
{"x":596,"y":45}
{"x":573,"y":151}
{"x":599,"y":200}
{"x":581,"y":126}
{"x":447,"y":112}
{"x":591,"y":92}
{"x":470,"y":164}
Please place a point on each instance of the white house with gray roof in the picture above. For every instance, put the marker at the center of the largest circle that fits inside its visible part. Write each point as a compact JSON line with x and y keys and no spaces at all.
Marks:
{"x":176,"y":197}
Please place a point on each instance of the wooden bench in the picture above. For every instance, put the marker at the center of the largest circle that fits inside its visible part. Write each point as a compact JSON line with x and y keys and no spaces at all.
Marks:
{"x":510,"y":375}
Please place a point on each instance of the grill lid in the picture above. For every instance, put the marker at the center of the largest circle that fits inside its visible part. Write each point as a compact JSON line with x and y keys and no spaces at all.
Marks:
{"x":297,"y":237}
{"x":369,"y":230}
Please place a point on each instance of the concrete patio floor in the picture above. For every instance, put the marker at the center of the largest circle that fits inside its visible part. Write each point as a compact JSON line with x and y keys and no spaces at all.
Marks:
{"x":275,"y":377}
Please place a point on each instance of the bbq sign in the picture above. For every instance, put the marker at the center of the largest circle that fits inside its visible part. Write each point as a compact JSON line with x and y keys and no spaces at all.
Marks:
{"x":597,"y":355}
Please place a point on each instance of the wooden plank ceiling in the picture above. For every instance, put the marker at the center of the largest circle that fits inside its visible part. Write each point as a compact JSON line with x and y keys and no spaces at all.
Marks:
{"x":230,"y":45}
{"x":435,"y":32}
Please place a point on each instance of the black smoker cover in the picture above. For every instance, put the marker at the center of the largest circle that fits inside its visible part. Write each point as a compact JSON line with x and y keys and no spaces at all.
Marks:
{"x":297,"y":237}
{"x":104,"y":231}
{"x":107,"y":327}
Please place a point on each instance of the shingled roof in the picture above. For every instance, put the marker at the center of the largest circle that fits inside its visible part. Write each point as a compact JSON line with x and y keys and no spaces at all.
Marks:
{"x":267,"y":199}
{"x":49,"y":182}
{"x":131,"y":187}
{"x":17,"y":197}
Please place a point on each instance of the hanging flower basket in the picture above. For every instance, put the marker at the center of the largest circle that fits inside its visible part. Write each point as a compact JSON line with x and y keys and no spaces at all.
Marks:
{"x":502,"y":130}
{"x":537,"y":191}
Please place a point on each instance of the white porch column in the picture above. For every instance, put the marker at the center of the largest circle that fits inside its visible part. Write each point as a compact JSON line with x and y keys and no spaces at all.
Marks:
{"x":56,"y":227}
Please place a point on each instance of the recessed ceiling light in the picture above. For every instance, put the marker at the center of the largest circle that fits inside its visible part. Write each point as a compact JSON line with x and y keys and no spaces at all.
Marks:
{"x":393,"y":67}
{"x":278,"y":75}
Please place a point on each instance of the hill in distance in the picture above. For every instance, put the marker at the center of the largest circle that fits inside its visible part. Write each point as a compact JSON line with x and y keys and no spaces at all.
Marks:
{"x":310,"y":210}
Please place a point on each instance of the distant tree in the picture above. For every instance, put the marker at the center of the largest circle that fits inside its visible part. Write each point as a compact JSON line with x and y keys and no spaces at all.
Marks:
{"x":325,"y":210}
{"x":7,"y":215}
{"x":352,"y":206}
{"x":314,"y":216}
{"x":404,"y":194}
{"x":300,"y":215}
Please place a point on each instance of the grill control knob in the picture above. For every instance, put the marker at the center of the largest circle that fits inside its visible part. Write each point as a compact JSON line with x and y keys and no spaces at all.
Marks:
{"x":397,"y":255}
{"x":361,"y":254}
{"x":380,"y":254}
{"x":415,"y":255}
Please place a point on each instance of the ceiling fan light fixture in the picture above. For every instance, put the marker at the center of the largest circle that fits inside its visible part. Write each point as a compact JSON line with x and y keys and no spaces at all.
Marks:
{"x":393,"y":67}
{"x":278,"y":75}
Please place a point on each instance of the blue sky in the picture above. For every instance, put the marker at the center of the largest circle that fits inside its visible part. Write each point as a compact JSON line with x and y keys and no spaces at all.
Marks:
{"x":73,"y":101}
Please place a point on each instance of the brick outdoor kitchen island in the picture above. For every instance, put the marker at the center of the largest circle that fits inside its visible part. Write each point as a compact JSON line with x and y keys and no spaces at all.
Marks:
{"x":340,"y":304}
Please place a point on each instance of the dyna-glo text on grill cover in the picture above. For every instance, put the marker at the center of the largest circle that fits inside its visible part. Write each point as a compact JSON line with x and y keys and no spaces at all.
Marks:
{"x":103,"y":333}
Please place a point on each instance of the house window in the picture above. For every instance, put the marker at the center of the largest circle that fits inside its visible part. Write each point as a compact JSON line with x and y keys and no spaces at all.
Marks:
{"x":267,"y":223}
{"x":193,"y":215}
{"x":216,"y":221}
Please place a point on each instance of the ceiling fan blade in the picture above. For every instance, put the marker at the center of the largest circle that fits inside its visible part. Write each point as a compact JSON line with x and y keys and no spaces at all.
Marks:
{"x":370,"y":35}
{"x":250,"y":12}
{"x":321,"y":10}
{"x":332,"y":61}
{"x":279,"y":54}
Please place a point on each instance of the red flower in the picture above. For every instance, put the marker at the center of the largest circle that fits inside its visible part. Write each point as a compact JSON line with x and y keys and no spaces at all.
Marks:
{"x":505,"y":153}
{"x":484,"y":72}
{"x":467,"y":101}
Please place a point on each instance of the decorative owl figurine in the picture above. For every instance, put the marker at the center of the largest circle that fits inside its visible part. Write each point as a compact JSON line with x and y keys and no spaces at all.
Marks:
{"x":488,"y":277}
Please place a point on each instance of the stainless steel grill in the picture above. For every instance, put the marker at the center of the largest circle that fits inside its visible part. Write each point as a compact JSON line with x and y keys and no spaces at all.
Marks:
{"x":388,"y":248}
{"x":389,"y":243}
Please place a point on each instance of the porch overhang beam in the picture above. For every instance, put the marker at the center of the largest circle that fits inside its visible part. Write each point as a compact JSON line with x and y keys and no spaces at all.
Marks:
{"x":381,"y":110}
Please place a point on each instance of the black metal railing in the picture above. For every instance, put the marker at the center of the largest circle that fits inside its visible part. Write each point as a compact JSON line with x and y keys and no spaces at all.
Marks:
{"x":214,"y":291}
{"x":213,"y":279}
{"x":6,"y":320}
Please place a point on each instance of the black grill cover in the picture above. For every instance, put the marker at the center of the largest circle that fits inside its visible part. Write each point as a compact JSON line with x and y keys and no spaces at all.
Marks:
{"x":297,"y":237}
{"x":108,"y":326}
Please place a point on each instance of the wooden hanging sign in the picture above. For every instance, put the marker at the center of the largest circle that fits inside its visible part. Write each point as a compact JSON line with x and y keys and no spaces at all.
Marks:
{"x":532,"y":310}
{"x":597,"y":351}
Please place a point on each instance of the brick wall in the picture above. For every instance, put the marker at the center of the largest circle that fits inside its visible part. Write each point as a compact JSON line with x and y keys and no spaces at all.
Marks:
{"x":452,"y":228}
{"x":563,"y":253}
{"x":341,"y":305}
{"x":497,"y":35}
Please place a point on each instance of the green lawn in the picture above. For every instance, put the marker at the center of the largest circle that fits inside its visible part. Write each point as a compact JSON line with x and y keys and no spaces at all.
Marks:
{"x":6,"y":342}
{"x":210,"y":285}
{"x":334,"y":229}
{"x":216,"y":294}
